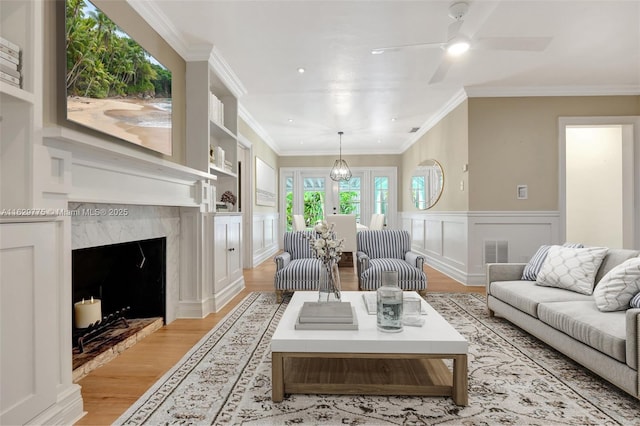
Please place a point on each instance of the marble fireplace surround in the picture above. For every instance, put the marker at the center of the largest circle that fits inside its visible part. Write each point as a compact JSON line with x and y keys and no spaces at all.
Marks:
{"x":140,"y":223}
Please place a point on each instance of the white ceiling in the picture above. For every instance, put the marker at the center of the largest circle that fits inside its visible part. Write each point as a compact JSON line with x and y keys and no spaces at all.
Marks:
{"x":594,"y":50}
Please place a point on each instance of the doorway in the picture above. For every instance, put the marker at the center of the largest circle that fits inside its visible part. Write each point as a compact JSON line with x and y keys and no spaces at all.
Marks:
{"x":598,"y":181}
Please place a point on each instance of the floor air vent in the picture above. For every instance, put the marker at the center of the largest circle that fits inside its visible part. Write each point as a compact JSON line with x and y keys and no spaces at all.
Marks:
{"x":496,"y":251}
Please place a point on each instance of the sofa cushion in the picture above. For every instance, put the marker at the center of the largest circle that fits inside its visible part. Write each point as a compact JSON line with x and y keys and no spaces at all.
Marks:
{"x":571,"y":268}
{"x":526,"y":295}
{"x":603,"y":331}
{"x":535,"y":263}
{"x":613,"y":258}
{"x":616,"y":289}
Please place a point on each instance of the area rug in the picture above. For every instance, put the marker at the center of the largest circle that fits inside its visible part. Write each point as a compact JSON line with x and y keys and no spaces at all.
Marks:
{"x":513,"y":379}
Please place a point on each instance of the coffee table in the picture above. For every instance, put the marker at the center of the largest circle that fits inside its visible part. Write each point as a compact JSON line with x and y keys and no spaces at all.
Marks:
{"x":367,"y":361}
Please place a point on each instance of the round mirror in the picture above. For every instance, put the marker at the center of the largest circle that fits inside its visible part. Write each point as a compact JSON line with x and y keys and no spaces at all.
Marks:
{"x":427,"y":183}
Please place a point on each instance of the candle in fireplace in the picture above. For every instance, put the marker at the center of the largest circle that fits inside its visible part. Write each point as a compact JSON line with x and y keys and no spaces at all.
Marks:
{"x":87,"y":312}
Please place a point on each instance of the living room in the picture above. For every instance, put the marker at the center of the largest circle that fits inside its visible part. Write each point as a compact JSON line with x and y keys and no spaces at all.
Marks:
{"x":491,"y":139}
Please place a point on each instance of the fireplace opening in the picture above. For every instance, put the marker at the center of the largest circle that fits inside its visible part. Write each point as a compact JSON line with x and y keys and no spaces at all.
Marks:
{"x":125,"y":280}
{"x":120,"y":275}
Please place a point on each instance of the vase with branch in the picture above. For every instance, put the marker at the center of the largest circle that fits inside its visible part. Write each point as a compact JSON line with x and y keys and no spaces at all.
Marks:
{"x":328,"y":248}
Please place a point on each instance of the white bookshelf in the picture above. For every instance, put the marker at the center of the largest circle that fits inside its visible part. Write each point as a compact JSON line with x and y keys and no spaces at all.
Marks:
{"x":20,"y":107}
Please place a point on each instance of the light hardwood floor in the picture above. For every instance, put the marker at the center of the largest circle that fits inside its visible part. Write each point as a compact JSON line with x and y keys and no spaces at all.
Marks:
{"x":109,"y":390}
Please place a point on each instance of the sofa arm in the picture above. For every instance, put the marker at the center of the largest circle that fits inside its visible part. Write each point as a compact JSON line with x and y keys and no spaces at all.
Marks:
{"x":503,"y":272}
{"x":414,"y":259}
{"x":282,"y":260}
{"x":633,"y":338}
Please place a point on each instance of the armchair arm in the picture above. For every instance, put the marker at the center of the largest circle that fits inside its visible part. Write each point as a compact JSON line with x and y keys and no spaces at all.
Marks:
{"x":633,"y":338}
{"x":414,"y":259}
{"x":282,"y":260}
{"x":362,"y":259}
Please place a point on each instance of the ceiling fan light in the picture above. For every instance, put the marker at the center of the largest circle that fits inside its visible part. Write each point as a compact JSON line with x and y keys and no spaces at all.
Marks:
{"x":458,"y":47}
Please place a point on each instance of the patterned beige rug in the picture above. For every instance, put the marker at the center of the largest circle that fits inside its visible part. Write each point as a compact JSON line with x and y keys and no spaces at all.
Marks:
{"x":514,"y":379}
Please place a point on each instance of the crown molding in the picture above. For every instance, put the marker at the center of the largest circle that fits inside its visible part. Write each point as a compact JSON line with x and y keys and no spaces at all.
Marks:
{"x":519,"y":91}
{"x":159,"y":22}
{"x":226,"y":74}
{"x":256,"y":127}
{"x":459,"y":97}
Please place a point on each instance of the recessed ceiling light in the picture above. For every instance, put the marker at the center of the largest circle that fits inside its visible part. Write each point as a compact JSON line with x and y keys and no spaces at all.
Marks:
{"x":379,"y":140}
{"x":377,"y":52}
{"x":301,"y":70}
{"x":393,"y":119}
{"x":290,"y":120}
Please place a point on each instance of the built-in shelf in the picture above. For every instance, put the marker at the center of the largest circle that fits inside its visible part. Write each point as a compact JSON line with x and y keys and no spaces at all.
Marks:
{"x":218,"y":131}
{"x":17,"y":93}
{"x":217,"y":170}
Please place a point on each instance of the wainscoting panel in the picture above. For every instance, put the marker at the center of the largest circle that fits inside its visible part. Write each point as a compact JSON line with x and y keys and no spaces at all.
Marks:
{"x":265,"y":236}
{"x":454,"y":242}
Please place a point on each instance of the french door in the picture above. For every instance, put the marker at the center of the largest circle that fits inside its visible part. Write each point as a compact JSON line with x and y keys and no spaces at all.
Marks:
{"x":311,"y":193}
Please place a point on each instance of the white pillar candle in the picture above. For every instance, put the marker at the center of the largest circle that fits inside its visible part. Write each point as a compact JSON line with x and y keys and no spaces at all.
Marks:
{"x":87,"y":312}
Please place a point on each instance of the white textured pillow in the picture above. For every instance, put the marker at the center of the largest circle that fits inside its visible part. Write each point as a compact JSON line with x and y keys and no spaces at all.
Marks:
{"x":571,"y":268}
{"x":618,"y":286}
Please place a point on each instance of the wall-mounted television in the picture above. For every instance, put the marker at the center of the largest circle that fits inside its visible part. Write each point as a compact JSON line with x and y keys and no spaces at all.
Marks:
{"x":113,"y":84}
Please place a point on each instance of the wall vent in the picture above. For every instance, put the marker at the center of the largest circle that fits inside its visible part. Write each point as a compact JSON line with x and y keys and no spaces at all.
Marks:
{"x":414,"y":129}
{"x":496,"y":251}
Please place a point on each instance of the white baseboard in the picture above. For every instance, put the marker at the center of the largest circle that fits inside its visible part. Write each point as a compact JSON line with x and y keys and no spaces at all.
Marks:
{"x":67,"y":410}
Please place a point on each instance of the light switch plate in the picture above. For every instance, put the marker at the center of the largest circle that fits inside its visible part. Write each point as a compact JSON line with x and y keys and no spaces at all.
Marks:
{"x":522,"y":192}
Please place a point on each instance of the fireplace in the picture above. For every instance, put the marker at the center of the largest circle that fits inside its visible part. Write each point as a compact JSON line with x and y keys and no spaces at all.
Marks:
{"x":126,"y":275}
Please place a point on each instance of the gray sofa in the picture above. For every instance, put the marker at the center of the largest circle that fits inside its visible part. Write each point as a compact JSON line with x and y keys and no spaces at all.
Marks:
{"x":607,"y":343}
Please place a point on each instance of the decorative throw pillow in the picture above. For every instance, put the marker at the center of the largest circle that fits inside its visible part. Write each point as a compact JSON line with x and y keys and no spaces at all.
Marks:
{"x":532,"y":268}
{"x":635,"y":301}
{"x":616,"y":289}
{"x":571,"y":268}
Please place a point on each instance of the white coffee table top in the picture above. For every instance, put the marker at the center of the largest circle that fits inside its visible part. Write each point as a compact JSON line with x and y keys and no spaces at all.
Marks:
{"x":436,"y":336}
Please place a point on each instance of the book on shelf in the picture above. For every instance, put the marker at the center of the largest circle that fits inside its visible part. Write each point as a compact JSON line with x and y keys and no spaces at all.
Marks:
{"x":2,"y":79}
{"x":10,"y":65}
{"x":10,"y":79}
{"x":9,"y":70}
{"x":10,"y":58}
{"x":9,"y":44}
{"x":9,"y":51}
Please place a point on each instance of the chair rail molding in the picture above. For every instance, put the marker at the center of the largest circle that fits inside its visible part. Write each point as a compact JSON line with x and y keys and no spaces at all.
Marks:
{"x":454,"y":242}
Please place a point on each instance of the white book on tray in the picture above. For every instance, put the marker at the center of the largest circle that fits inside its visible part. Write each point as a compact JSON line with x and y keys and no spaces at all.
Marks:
{"x":370,"y":299}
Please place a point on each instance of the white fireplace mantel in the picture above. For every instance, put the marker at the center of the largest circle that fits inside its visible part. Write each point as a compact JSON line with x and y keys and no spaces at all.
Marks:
{"x":83,"y":168}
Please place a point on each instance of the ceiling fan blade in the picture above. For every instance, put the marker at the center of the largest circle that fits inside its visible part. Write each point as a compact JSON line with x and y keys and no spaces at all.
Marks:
{"x":529,"y":44}
{"x":454,"y":29}
{"x":441,"y":71}
{"x":380,"y":50}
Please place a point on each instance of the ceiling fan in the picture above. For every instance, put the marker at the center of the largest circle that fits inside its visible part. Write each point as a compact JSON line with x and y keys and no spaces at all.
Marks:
{"x":457,"y":43}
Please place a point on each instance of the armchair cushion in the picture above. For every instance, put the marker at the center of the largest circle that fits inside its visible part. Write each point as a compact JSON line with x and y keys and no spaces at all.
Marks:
{"x":388,"y":250}
{"x":296,"y":267}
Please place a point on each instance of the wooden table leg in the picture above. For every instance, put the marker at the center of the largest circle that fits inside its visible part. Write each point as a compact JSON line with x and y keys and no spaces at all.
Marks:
{"x":460,"y":380}
{"x":277,"y":376}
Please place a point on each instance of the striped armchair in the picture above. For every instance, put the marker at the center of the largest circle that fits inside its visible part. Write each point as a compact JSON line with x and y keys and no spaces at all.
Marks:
{"x":296,"y":267}
{"x":389,"y":250}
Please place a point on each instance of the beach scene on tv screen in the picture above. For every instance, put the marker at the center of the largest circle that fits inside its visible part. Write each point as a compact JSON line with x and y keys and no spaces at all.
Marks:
{"x":113,"y":84}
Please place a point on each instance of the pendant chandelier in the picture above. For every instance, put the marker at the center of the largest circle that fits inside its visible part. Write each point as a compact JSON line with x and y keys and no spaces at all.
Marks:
{"x":340,"y":170}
